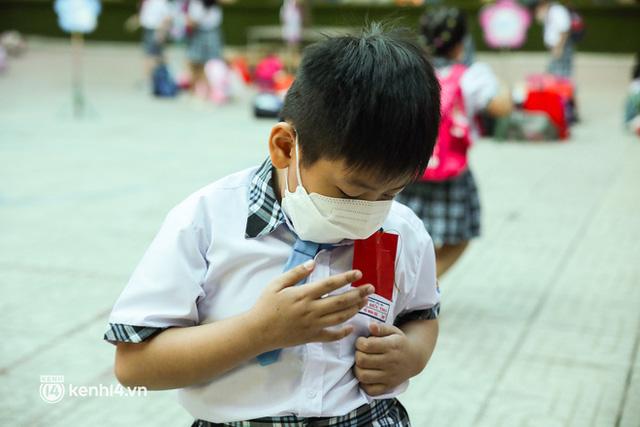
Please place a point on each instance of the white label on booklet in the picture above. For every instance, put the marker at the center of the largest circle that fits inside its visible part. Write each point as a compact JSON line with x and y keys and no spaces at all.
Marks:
{"x":377,"y":308}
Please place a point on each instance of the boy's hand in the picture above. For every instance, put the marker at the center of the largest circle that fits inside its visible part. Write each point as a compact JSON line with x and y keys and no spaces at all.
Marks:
{"x":381,"y":361}
{"x":290,"y":315}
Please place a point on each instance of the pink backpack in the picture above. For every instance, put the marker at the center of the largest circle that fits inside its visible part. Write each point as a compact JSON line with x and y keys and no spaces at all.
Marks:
{"x":449,"y":157}
{"x":266,"y":71}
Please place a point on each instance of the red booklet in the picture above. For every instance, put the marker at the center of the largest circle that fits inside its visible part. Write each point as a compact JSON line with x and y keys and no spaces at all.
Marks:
{"x":376,"y":258}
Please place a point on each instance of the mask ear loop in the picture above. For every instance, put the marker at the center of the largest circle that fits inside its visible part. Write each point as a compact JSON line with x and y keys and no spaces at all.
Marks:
{"x":286,"y":170}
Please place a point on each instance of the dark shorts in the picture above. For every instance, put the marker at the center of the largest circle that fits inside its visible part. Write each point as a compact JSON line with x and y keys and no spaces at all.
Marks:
{"x":150,"y":44}
{"x":450,"y":210}
{"x":380,"y":413}
{"x":563,"y":66}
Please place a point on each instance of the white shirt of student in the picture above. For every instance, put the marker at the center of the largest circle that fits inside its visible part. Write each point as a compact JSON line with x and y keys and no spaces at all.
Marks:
{"x":205,"y":18}
{"x":557,"y":21}
{"x":153,"y":13}
{"x":200,"y":268}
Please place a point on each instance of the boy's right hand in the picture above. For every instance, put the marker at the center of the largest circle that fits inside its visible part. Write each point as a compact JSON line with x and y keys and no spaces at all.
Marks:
{"x":291,"y":315}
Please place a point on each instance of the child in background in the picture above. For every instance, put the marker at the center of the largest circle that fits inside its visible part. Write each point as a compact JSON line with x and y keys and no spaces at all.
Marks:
{"x":291,"y":22}
{"x":209,"y":309}
{"x":155,"y":20}
{"x":448,"y":201}
{"x":204,"y":20}
{"x":632,"y":107}
{"x":556,"y":20}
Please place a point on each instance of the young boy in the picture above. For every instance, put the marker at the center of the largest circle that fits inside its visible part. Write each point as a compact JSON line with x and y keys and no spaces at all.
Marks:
{"x":209,"y":309}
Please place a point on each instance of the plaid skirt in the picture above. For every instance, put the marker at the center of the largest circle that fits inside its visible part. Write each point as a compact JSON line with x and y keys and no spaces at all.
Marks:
{"x":449,"y":209}
{"x":204,"y":45}
{"x":380,"y":413}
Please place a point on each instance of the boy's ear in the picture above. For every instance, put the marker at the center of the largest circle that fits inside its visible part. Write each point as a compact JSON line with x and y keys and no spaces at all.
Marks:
{"x":282,"y":145}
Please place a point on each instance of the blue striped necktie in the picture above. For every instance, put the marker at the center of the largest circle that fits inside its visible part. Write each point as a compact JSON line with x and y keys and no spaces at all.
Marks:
{"x":302,"y":251}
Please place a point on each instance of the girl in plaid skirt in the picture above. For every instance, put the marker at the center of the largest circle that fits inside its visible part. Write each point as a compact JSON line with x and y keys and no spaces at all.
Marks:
{"x":204,"y":20}
{"x":447,"y":199}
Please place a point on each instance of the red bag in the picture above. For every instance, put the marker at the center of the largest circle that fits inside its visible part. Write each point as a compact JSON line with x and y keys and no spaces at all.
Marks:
{"x":552,"y":95}
{"x":550,"y":83}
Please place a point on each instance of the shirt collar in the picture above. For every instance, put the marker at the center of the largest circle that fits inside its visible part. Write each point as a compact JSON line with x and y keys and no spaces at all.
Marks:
{"x":265,"y":212}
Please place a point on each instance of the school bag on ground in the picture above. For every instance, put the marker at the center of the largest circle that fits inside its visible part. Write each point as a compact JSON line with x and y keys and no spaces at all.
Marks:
{"x":525,"y":126}
{"x":550,"y":104}
{"x":449,"y":157}
{"x":267,"y":105}
{"x":266,"y":72}
{"x":553,"y":95}
{"x":164,"y":85}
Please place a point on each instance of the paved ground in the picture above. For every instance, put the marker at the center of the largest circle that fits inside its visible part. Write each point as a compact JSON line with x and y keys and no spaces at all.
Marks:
{"x":540,"y":321}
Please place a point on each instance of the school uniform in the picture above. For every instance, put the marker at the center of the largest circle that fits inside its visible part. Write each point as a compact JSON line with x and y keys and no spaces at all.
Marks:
{"x":212,"y":258}
{"x":556,"y":22}
{"x":205,"y":43}
{"x":153,"y":15}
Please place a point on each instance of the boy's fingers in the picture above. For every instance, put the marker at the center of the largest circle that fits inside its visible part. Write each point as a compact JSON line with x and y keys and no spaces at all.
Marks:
{"x":325,"y":286}
{"x":372,"y":345}
{"x":339,"y":317}
{"x":370,"y":361}
{"x":293,"y":276}
{"x":383,"y":330}
{"x":336,"y":303}
{"x":369,"y":376}
{"x":328,"y":335}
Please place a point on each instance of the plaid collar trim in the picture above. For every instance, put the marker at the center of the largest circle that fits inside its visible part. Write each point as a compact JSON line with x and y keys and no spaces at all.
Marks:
{"x":265,"y":213}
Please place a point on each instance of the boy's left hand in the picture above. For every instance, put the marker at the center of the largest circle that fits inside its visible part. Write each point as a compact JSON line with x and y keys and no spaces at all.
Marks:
{"x":382,"y":360}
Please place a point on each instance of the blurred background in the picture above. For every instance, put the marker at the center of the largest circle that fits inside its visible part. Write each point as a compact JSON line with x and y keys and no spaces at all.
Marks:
{"x":111,"y":114}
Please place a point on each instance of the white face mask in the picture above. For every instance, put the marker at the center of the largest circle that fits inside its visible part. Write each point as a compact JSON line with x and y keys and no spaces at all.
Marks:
{"x":321,"y":219}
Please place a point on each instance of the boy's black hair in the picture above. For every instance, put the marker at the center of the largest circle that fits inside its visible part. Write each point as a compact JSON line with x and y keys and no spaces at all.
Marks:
{"x":372,"y":100}
{"x":635,"y":73}
{"x":443,"y":29}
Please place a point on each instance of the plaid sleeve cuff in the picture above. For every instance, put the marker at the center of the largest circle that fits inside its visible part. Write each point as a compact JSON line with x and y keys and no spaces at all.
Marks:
{"x":128,"y":333}
{"x":427,"y":314}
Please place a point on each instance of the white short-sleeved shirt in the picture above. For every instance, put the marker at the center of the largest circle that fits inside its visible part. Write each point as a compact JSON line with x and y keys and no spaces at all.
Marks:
{"x":206,"y":18}
{"x":556,"y":22}
{"x":213,"y":257}
{"x":154,"y":13}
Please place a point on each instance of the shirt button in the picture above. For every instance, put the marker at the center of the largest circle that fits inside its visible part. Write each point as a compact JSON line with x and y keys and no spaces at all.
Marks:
{"x":311,"y":394}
